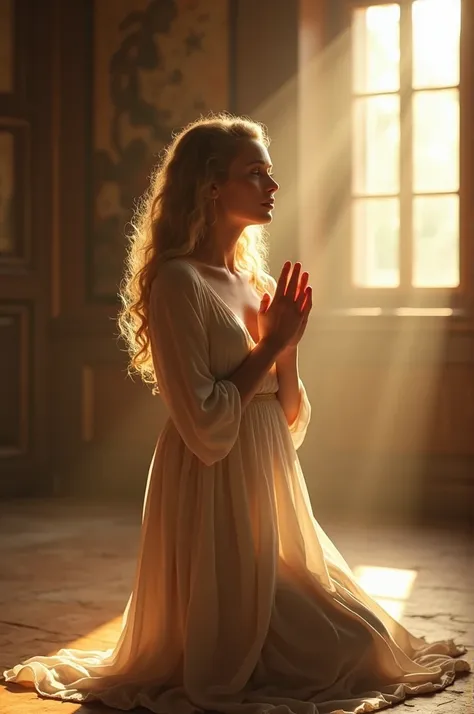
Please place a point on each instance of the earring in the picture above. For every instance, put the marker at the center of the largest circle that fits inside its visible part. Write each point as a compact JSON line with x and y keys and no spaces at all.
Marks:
{"x":215,"y":211}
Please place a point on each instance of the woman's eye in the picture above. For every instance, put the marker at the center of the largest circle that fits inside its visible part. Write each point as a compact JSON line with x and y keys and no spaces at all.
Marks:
{"x":258,"y":172}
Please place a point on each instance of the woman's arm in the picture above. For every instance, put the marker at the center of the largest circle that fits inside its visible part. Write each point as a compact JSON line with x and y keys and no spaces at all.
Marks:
{"x":289,"y":393}
{"x":250,"y":373}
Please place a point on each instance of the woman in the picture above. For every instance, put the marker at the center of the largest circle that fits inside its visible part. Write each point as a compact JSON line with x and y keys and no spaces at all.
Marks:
{"x":241,"y":603}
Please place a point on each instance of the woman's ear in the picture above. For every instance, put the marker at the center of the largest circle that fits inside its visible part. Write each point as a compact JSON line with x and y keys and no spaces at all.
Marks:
{"x":214,"y":191}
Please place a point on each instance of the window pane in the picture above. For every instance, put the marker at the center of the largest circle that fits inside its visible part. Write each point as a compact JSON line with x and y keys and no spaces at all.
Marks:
{"x":375,"y":231}
{"x":436,"y":241}
{"x":376,"y":49}
{"x":436,"y":141}
{"x":376,"y":145}
{"x":436,"y":33}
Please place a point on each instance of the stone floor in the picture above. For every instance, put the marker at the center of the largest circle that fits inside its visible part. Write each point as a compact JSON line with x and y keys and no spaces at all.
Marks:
{"x":67,"y":569}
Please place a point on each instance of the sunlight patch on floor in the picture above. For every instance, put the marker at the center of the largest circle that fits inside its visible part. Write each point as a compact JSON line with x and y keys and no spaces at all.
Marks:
{"x":390,"y":587}
{"x":101,"y":638}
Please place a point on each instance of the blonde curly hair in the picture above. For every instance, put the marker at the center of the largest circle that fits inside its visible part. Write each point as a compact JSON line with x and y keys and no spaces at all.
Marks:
{"x":173,"y":217}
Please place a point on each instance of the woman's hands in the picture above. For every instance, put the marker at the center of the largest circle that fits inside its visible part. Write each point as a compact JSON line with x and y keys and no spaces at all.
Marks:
{"x":283,"y":319}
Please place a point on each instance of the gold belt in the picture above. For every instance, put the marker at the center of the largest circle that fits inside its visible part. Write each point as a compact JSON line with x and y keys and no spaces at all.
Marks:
{"x":265,"y":395}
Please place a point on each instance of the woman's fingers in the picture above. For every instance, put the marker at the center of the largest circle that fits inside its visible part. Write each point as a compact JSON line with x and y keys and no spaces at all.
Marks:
{"x":301,"y":289}
{"x":282,"y":280}
{"x":308,"y":303}
{"x":294,"y":280}
{"x":295,"y":287}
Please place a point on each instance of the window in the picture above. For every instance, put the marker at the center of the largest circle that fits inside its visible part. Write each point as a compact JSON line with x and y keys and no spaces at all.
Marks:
{"x":400,"y":175}
{"x":406,"y":63}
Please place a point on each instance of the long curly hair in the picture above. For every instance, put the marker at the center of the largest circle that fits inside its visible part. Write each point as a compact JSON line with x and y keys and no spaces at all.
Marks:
{"x":174,"y":216}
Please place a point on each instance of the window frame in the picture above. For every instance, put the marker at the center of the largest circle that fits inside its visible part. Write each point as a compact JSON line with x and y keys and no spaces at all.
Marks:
{"x":342,"y":295}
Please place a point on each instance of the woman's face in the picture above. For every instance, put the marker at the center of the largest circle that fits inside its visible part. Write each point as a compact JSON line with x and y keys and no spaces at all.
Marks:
{"x":247,"y":196}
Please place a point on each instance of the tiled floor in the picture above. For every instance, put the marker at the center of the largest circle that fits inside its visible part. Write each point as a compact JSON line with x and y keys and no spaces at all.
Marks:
{"x":67,"y":569}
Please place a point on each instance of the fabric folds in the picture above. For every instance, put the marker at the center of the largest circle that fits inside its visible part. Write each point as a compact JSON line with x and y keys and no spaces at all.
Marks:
{"x":240,"y":603}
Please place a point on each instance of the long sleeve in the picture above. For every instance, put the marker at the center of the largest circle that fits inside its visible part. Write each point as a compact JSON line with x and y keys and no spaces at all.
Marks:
{"x":300,"y":425}
{"x":206,"y":411}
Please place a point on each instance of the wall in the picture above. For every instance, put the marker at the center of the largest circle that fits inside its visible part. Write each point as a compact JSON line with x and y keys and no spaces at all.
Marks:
{"x":392,"y":395}
{"x":392,"y":403}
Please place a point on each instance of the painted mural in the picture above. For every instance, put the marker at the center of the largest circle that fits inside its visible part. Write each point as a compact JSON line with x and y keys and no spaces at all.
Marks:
{"x":157,"y":65}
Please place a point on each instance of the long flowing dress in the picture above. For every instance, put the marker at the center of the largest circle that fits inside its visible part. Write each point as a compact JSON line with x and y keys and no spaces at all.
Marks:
{"x":241,"y":603}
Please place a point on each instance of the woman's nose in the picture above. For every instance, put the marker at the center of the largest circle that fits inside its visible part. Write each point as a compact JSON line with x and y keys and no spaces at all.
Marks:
{"x":274,"y":186}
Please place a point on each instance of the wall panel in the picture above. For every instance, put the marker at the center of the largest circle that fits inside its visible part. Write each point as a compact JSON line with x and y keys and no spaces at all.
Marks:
{"x":15,"y":380}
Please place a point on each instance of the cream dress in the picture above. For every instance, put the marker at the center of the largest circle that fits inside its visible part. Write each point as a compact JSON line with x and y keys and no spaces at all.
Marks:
{"x":241,"y":603}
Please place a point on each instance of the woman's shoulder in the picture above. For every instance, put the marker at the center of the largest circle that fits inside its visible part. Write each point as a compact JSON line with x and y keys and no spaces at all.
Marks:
{"x":175,"y":266}
{"x":175,"y":269}
{"x":173,"y":275}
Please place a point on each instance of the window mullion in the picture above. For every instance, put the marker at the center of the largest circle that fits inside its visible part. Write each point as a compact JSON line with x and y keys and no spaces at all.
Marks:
{"x":466,"y":164}
{"x":406,"y":148}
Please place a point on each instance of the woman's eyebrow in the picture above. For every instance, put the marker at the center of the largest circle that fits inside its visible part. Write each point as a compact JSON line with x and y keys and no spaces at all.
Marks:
{"x":259,"y":161}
